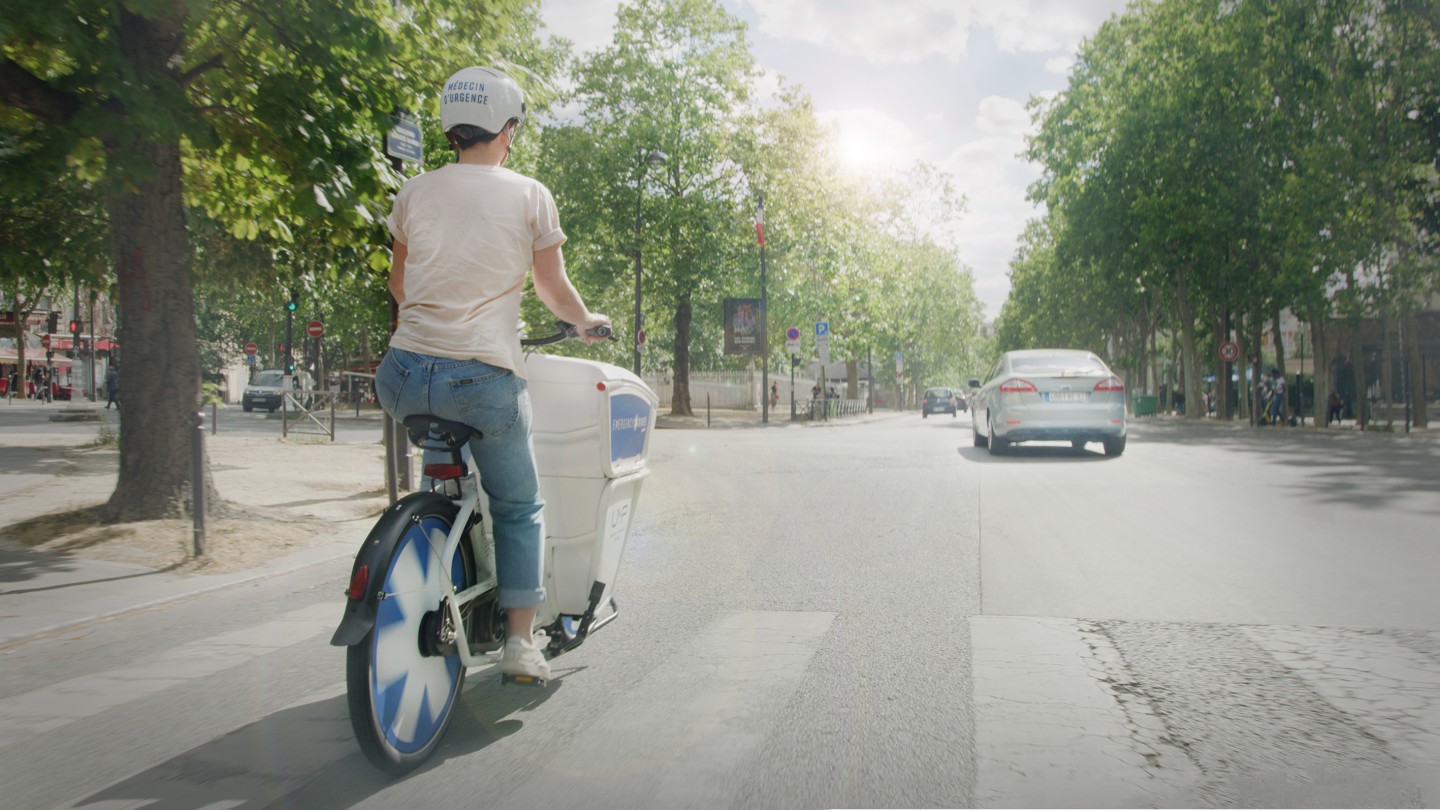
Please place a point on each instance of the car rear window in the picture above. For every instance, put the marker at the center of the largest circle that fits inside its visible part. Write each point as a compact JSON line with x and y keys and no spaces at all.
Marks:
{"x":1057,"y":364}
{"x":938,"y":392}
{"x":268,"y":378}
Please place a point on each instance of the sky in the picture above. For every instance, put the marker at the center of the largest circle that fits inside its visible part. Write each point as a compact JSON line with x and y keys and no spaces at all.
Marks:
{"x":940,"y":81}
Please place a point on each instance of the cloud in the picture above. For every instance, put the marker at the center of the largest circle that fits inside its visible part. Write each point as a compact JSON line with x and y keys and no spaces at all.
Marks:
{"x":994,"y":180}
{"x":590,"y":24}
{"x":1003,"y":116}
{"x":910,"y":30}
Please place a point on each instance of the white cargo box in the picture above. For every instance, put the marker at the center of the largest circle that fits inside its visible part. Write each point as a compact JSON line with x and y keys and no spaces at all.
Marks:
{"x":592,"y":420}
{"x":592,"y":428}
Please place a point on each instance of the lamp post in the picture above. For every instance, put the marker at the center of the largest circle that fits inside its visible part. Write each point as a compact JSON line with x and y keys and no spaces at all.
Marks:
{"x":655,"y":158}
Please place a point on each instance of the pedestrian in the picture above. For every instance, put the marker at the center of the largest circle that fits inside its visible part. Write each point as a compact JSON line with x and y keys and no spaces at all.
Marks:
{"x":1262,"y":399}
{"x":112,"y":388}
{"x":465,"y":238}
{"x":1333,"y":408}
{"x":774,"y":395}
{"x":1277,"y":397}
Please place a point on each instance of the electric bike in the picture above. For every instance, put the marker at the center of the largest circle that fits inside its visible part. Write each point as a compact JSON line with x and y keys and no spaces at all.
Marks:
{"x":421,"y":607}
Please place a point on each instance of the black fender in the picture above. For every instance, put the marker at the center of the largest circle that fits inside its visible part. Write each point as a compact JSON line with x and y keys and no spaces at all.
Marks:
{"x":376,"y":553}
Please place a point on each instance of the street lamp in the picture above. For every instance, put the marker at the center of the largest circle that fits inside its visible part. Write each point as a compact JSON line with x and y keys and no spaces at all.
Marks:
{"x":655,"y":158}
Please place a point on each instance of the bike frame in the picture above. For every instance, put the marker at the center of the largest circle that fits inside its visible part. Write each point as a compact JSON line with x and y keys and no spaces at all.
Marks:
{"x":469,"y":502}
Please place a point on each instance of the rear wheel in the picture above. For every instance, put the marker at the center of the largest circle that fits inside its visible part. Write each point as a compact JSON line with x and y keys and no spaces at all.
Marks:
{"x":402,"y":690}
{"x":1114,"y":447}
{"x":1077,"y":444}
{"x":998,"y":446}
{"x":980,"y":441}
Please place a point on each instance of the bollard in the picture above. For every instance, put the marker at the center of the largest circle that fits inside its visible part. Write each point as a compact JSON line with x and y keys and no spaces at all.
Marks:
{"x":214,"y":417}
{"x":707,"y":410}
{"x":197,"y":483}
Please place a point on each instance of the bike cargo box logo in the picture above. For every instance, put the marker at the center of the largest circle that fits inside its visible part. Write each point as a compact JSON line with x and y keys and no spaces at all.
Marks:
{"x":629,"y":424}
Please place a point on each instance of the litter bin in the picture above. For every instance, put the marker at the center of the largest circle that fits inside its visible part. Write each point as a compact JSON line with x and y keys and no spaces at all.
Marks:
{"x":1146,"y":405}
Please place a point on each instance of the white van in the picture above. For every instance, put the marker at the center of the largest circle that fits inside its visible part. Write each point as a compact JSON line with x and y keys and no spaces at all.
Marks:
{"x":264,"y":390}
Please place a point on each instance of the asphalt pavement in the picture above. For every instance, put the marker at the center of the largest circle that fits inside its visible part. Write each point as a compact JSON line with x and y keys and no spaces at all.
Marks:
{"x":43,"y":593}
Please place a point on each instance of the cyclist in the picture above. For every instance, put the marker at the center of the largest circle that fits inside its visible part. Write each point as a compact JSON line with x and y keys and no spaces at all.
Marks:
{"x":465,"y":237}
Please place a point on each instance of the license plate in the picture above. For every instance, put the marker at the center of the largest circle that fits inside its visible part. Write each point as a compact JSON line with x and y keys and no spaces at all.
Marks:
{"x":1068,"y":396}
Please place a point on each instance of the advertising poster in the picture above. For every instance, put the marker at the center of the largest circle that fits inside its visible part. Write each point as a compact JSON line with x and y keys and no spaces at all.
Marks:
{"x":744,"y":319}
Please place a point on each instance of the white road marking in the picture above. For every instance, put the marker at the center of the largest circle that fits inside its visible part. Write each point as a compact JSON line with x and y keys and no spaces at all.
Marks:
{"x":707,"y":706}
{"x":50,"y":707}
{"x":1050,"y":731}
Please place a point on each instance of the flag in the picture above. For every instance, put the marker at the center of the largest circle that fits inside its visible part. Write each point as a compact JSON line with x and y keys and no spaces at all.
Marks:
{"x":760,"y":222}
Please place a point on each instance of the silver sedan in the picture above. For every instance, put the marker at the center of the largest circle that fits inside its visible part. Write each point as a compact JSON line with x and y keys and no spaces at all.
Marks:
{"x":1049,"y":395}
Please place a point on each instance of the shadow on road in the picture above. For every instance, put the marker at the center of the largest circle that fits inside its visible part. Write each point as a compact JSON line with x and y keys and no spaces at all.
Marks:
{"x":306,"y":756}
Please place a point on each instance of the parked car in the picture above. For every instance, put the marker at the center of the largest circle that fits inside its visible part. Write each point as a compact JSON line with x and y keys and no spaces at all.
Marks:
{"x":264,"y":390}
{"x":938,"y":400}
{"x":1049,"y":395}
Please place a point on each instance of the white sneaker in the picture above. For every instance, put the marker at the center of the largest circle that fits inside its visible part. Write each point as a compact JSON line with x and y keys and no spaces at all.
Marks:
{"x":524,"y":660}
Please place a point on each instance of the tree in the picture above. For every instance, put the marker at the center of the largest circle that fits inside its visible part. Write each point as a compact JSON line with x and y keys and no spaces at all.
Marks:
{"x":266,"y":117}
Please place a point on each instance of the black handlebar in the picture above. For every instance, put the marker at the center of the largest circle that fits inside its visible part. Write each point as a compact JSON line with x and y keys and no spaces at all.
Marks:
{"x":567,"y":331}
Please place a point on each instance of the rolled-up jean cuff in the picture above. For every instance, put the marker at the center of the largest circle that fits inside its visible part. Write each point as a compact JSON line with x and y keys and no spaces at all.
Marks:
{"x":519,"y":598}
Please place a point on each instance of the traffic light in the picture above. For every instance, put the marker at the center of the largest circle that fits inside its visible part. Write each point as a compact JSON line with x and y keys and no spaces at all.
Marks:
{"x":75,"y":325}
{"x":289,"y":364}
{"x":294,"y":302}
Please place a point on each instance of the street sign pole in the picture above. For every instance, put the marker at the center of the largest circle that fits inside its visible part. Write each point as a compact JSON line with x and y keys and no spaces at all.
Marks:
{"x":764,"y":317}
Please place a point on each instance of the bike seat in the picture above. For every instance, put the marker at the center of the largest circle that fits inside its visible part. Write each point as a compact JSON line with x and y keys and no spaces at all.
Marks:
{"x":433,"y":433}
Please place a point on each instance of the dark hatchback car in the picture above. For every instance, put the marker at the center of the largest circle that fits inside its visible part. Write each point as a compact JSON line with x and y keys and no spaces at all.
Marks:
{"x":939,"y":400}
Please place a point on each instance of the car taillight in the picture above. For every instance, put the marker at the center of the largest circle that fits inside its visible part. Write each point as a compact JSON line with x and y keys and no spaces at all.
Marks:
{"x":359,"y":582}
{"x":1110,"y":384}
{"x":1017,"y":386}
{"x":444,"y":472}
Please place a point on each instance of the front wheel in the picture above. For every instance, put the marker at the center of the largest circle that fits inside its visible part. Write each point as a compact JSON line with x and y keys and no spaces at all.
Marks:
{"x":1115,"y":446}
{"x":401,"y":690}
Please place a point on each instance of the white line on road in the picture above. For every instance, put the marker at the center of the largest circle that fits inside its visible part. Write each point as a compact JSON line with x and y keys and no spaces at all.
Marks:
{"x":51,"y":707}
{"x":1051,"y":730}
{"x":708,"y":707}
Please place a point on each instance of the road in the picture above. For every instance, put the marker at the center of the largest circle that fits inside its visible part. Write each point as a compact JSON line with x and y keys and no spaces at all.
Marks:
{"x":869,"y":614}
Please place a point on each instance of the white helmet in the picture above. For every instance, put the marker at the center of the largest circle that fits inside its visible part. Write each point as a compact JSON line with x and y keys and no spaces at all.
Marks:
{"x":481,"y":97}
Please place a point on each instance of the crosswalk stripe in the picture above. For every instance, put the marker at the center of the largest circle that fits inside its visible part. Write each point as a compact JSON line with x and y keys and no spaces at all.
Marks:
{"x":50,"y":707}
{"x":1391,"y":688}
{"x":1051,"y":729}
{"x":707,"y":706}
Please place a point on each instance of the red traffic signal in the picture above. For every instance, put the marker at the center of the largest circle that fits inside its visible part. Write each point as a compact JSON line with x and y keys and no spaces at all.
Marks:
{"x":75,"y":326}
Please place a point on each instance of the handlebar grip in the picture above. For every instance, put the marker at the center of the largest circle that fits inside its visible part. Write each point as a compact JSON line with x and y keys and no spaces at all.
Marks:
{"x":601,"y":331}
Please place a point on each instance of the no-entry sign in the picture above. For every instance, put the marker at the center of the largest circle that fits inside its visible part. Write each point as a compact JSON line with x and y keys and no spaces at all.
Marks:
{"x":251,"y":349}
{"x":315,"y":329}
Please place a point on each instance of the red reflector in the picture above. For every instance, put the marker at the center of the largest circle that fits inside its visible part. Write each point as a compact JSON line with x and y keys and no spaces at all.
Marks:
{"x":1017,"y":386}
{"x":444,"y":472}
{"x":600,"y":386}
{"x":1110,"y":384}
{"x":359,"y":581}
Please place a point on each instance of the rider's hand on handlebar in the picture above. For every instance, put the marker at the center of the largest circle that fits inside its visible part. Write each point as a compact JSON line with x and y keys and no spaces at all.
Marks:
{"x":594,"y":320}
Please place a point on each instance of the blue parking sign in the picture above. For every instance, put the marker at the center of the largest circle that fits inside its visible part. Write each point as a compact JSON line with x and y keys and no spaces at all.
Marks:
{"x":822,"y":329}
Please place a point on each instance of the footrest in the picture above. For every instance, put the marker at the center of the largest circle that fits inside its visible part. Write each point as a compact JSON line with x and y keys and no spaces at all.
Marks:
{"x":521,"y":680}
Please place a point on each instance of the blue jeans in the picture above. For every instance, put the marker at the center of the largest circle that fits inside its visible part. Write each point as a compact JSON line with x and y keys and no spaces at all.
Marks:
{"x":495,"y":401}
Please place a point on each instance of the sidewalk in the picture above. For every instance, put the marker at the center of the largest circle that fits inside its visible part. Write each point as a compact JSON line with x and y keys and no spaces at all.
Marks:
{"x":327,"y":494}
{"x":302,"y":502}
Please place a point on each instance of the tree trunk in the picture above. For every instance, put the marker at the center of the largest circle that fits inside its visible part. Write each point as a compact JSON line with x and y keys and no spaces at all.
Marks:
{"x":680,"y":393}
{"x":1414,"y":362}
{"x":1323,"y":384}
{"x":1387,"y":376}
{"x":1357,"y":372}
{"x":1189,"y":357}
{"x":160,"y":378}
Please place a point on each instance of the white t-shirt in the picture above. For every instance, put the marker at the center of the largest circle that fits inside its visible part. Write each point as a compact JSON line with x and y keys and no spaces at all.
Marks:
{"x":471,"y":233}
